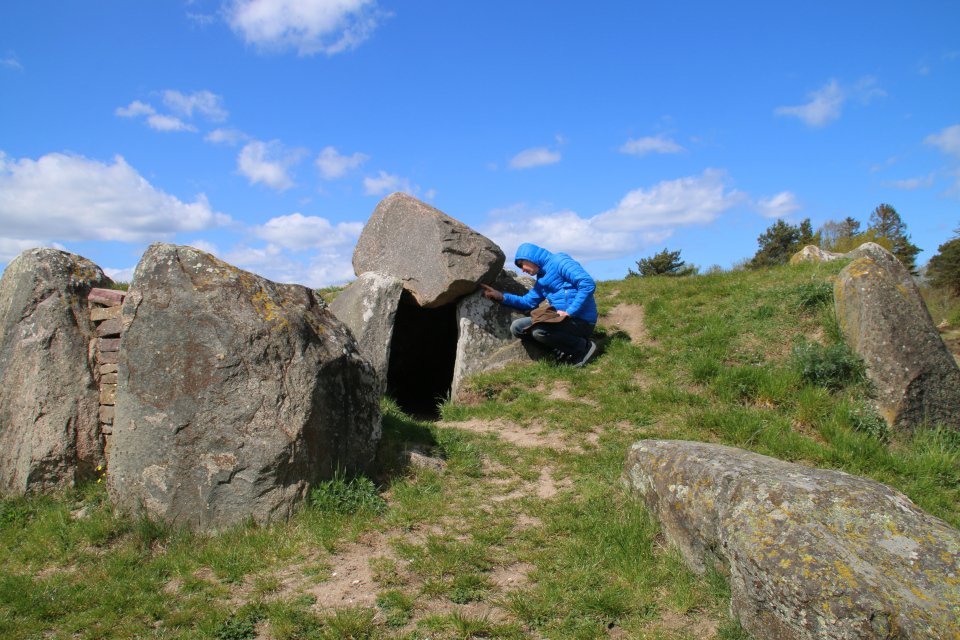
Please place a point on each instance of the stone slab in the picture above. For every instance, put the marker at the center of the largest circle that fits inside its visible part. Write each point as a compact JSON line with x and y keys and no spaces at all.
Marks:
{"x":110,"y":328}
{"x":104,"y":313}
{"x":109,"y":344}
{"x":108,"y":368}
{"x":107,"y":297}
{"x":106,"y":414}
{"x":108,"y":357}
{"x":108,"y":394}
{"x":108,"y":378}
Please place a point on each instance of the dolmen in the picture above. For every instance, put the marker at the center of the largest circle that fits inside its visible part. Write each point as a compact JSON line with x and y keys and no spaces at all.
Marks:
{"x":210,"y":397}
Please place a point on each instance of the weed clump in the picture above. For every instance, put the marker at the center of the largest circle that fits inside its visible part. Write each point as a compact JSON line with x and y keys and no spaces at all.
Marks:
{"x":832,"y":367}
{"x":813,"y":294}
{"x":347,"y":496}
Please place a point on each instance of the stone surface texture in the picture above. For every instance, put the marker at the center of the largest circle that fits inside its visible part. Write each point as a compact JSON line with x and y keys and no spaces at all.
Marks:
{"x":812,"y":553}
{"x":884,"y":319}
{"x":813,"y":253}
{"x":235,"y":394}
{"x":369,"y":307}
{"x":49,"y":435}
{"x":485,"y":341}
{"x":437,"y":257}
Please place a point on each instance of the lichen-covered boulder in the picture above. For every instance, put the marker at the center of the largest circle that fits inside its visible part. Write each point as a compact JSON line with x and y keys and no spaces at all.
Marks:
{"x":485,"y":341}
{"x":437,"y":257}
{"x":884,"y":319}
{"x":813,"y":253}
{"x":812,"y":553}
{"x":369,"y":307}
{"x":49,"y":400}
{"x":234,"y":394}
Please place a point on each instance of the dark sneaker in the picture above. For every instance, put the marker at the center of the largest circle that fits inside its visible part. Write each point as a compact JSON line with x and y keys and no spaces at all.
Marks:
{"x":582,"y":358}
{"x":561,"y":357}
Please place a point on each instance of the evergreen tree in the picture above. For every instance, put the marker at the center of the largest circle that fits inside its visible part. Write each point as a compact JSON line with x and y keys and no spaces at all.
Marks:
{"x":780,"y":241}
{"x":665,"y":263}
{"x":886,"y":222}
{"x":944,"y":268}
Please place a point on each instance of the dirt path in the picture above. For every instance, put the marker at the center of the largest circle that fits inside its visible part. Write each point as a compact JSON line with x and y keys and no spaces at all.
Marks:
{"x":626,"y":317}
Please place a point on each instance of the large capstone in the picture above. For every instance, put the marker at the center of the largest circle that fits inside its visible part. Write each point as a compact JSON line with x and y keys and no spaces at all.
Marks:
{"x":484,"y":340}
{"x":437,"y":257}
{"x":884,"y":318}
{"x":369,"y":308}
{"x":49,"y":399}
{"x":235,"y":394}
{"x":812,"y":553}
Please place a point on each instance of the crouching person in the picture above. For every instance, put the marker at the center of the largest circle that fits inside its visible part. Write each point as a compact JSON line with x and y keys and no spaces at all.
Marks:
{"x":567,"y":326}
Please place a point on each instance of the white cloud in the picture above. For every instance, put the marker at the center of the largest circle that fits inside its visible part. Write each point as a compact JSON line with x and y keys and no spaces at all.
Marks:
{"x":10,"y":248}
{"x":912,"y":183}
{"x":299,"y":232}
{"x":878,"y":167}
{"x":652,"y":144}
{"x":783,"y":205}
{"x":70,"y":197}
{"x":207,"y":103}
{"x":162,"y":122}
{"x":386,"y":182}
{"x":332,"y":165}
{"x":643,"y":218}
{"x":694,"y":200}
{"x":320,"y":269}
{"x":203,"y":245}
{"x":824,"y":107}
{"x":309,"y":26}
{"x":269,"y":163}
{"x":11,"y":62}
{"x":120,"y":275}
{"x":231,"y":137}
{"x":536,"y":157}
{"x":136,"y":108}
{"x":948,"y":140}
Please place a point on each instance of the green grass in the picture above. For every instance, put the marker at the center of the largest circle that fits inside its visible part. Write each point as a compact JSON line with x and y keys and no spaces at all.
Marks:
{"x":752,"y":359}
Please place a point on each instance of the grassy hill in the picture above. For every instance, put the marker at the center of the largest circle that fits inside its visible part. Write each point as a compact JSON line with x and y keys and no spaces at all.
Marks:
{"x":527,"y":532}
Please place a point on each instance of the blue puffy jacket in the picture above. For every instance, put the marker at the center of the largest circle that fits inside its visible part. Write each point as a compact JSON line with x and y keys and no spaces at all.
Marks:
{"x":561,"y":280}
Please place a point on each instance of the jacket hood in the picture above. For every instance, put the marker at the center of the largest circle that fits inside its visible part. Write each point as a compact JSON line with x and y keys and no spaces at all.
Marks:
{"x":533,"y":253}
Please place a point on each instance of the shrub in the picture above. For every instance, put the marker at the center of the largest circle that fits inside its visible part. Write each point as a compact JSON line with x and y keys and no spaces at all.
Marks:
{"x":832,"y":367}
{"x":813,"y":294}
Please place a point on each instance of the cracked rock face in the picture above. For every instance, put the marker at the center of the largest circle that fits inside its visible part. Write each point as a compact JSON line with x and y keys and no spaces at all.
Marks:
{"x":485,"y":341}
{"x":49,"y":399}
{"x":812,"y":553}
{"x":884,"y":319}
{"x":437,"y":257}
{"x":234,"y":394}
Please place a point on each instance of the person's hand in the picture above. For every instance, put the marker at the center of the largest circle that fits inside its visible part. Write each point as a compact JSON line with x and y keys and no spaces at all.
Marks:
{"x":491,"y":294}
{"x":563,"y":314}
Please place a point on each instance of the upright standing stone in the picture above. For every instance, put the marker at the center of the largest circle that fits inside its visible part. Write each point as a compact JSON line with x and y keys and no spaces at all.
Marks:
{"x":49,"y":434}
{"x":235,"y":394}
{"x":437,"y":257}
{"x":369,"y":307}
{"x":884,"y":319}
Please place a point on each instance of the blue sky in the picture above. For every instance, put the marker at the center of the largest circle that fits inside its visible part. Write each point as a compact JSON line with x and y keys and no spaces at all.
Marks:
{"x":266,"y":132}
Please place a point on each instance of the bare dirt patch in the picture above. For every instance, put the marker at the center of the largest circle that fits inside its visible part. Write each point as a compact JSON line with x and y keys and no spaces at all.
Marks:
{"x":513,"y":433}
{"x":626,"y":317}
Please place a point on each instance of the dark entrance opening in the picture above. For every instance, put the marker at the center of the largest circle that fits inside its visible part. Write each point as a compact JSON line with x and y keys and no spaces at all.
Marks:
{"x":422,"y":356}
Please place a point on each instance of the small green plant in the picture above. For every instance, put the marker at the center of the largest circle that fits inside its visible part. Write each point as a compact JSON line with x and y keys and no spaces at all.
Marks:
{"x":350,"y":623}
{"x":397,"y":606}
{"x":468,"y":588}
{"x":813,"y":294}
{"x":347,"y":496}
{"x":241,"y":625}
{"x":15,"y":512}
{"x":832,"y":367}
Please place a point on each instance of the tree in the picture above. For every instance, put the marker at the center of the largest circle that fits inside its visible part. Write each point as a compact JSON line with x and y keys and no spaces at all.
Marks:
{"x":886,"y":222}
{"x":780,"y":241}
{"x":665,"y":263}
{"x":840,"y":237}
{"x":944,"y":268}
